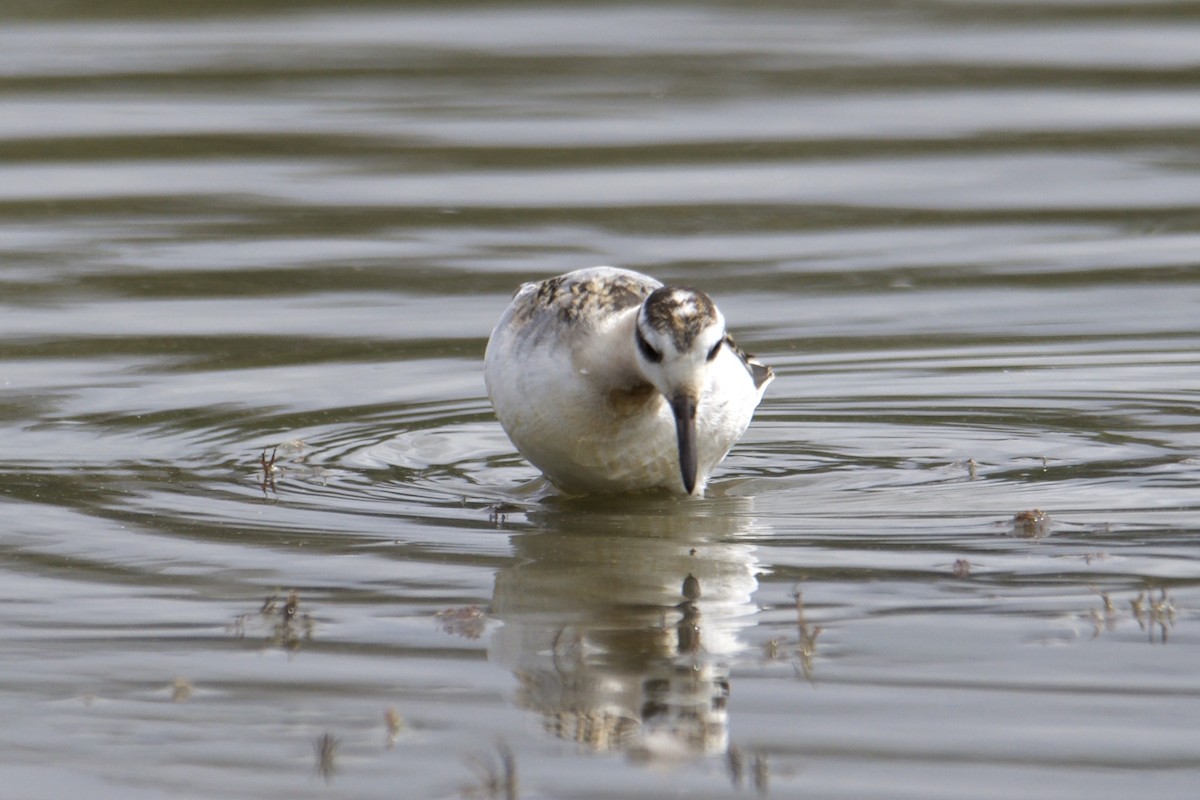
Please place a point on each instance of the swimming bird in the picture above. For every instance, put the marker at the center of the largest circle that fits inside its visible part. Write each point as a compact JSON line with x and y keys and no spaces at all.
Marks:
{"x":608,"y":381}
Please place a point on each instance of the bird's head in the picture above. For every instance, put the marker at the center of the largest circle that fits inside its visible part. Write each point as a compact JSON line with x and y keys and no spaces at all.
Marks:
{"x":679,"y":333}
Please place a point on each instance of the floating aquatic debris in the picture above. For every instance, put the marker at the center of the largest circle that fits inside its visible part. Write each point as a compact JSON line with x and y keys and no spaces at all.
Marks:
{"x":267,"y":481}
{"x":325,"y":748}
{"x":468,"y":622}
{"x":735,"y":765}
{"x":286,"y":626}
{"x":1154,"y":614}
{"x":181,"y":690}
{"x":762,"y":774}
{"x":1032,"y":524}
{"x":804,"y":650}
{"x":394,"y":724}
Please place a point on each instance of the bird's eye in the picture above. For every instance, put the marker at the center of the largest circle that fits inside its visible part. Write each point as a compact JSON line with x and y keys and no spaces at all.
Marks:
{"x":648,"y":352}
{"x":716,"y":348}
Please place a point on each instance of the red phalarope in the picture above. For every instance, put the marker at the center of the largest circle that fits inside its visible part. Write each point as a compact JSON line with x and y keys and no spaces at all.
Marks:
{"x":608,"y":381}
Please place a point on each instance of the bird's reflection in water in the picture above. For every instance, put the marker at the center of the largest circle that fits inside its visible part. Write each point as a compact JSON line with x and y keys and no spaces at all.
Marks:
{"x":620,"y":624}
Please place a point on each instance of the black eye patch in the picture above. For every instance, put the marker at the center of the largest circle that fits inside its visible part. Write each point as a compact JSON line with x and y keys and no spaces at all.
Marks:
{"x":648,"y":352}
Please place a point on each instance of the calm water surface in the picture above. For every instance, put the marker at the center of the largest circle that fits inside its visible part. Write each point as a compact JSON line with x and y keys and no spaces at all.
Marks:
{"x":955,"y":556}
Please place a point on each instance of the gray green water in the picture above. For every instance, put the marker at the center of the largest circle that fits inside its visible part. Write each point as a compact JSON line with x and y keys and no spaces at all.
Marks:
{"x":965,"y":234}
